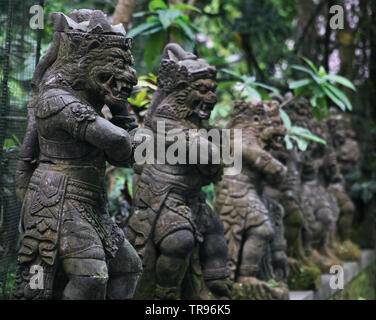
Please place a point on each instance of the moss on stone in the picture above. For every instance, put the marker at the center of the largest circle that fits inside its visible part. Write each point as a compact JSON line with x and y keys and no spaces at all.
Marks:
{"x":304,"y":278}
{"x":347,"y":251}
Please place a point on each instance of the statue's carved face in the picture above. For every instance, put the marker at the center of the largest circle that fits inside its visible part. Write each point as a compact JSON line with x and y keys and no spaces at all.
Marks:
{"x":113,"y":76}
{"x":201,"y":98}
{"x":347,"y":149}
{"x":274,"y":131}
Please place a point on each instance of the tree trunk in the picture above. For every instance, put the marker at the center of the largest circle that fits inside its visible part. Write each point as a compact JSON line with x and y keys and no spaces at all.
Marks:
{"x":123,"y":12}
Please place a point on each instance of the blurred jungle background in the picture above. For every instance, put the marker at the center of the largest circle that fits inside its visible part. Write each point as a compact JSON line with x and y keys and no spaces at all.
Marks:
{"x":257,"y":46}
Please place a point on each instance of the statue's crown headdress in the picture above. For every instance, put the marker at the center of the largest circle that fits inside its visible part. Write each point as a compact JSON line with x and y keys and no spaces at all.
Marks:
{"x":181,"y":67}
{"x":89,"y":29}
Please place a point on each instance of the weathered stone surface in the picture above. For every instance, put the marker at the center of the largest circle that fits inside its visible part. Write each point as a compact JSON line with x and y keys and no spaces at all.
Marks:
{"x":65,"y":227}
{"x":178,"y":236}
{"x":252,"y":220}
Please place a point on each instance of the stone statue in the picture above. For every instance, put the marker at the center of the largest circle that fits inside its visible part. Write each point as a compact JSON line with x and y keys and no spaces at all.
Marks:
{"x":172,"y":228}
{"x":341,"y":138}
{"x":67,"y":234}
{"x":303,"y":274}
{"x":320,"y":208}
{"x":254,"y":229}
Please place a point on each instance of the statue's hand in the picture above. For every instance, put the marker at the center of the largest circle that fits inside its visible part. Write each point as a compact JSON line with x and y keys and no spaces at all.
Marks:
{"x":276,"y":172}
{"x":280,"y":265}
{"x":124,"y":121}
{"x":118,"y":108}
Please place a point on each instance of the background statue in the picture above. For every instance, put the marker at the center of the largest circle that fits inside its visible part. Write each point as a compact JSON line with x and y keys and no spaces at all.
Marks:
{"x":303,"y":274}
{"x":65,"y":226}
{"x":172,"y":228}
{"x":256,"y":248}
{"x":342,"y":140}
{"x":320,"y":208}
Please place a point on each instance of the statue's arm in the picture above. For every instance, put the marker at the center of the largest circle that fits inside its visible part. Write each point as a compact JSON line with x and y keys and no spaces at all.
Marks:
{"x":84,"y":124}
{"x":27,"y":157}
{"x":113,"y":140}
{"x":264,"y":162}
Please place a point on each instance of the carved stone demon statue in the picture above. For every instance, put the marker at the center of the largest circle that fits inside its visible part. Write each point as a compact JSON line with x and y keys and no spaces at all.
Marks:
{"x":172,"y":228}
{"x":303,"y":273}
{"x":66,"y":231}
{"x":254,"y":234}
{"x":346,"y":148}
{"x":319,"y":206}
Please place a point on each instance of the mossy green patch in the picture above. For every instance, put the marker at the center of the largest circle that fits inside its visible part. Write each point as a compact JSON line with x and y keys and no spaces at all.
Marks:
{"x":304,"y":278}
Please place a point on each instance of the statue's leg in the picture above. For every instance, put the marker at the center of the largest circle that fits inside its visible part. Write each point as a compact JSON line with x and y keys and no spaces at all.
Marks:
{"x":81,"y":254}
{"x":124,"y":271}
{"x":324,"y":217}
{"x":175,"y":250}
{"x":249,"y":285}
{"x":87,"y":279}
{"x":213,"y":257}
{"x":257,"y":238}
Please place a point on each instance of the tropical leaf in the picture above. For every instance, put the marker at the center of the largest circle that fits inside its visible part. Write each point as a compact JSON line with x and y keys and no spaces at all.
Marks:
{"x":153,"y":47}
{"x":334,"y":98}
{"x":285,"y":119}
{"x":305,"y":133}
{"x":302,"y":144}
{"x":341,"y":80}
{"x":186,"y":29}
{"x":142,"y":28}
{"x":233,"y":73}
{"x":299,"y":83}
{"x":289,"y":144}
{"x":340,"y":95}
{"x":310,"y":63}
{"x":270,"y":88}
{"x":184,"y":6}
{"x":157,"y":4}
{"x":167,"y":17}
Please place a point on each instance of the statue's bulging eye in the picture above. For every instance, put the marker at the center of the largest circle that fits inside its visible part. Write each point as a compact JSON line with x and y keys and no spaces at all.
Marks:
{"x":120,"y":64}
{"x":104,"y":77}
{"x":203,"y":89}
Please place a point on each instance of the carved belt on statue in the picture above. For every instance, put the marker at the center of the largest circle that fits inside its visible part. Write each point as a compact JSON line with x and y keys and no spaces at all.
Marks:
{"x":75,"y":189}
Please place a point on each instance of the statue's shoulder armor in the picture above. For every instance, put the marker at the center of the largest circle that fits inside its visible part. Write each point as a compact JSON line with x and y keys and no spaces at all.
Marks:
{"x":53,"y":101}
{"x":166,"y":111}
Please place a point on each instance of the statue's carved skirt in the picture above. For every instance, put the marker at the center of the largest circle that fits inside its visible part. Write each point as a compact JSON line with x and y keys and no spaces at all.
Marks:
{"x":62,"y":218}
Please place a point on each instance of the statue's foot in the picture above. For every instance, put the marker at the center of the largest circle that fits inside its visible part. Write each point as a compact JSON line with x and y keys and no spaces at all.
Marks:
{"x":250,"y":288}
{"x":221,"y":288}
{"x":347,"y":250}
{"x":328,"y":251}
{"x":303,"y":276}
{"x":324,"y":262}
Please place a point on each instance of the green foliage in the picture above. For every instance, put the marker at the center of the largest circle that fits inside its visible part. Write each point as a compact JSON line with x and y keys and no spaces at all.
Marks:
{"x":162,"y":21}
{"x":249,"y":88}
{"x":297,"y":133}
{"x":122,"y":179}
{"x":142,"y":95}
{"x":318,"y":88}
{"x":209,"y":193}
{"x":364,"y":190}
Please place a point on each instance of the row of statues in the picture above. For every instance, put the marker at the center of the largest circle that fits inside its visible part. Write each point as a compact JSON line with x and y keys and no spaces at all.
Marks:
{"x":278,"y":224}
